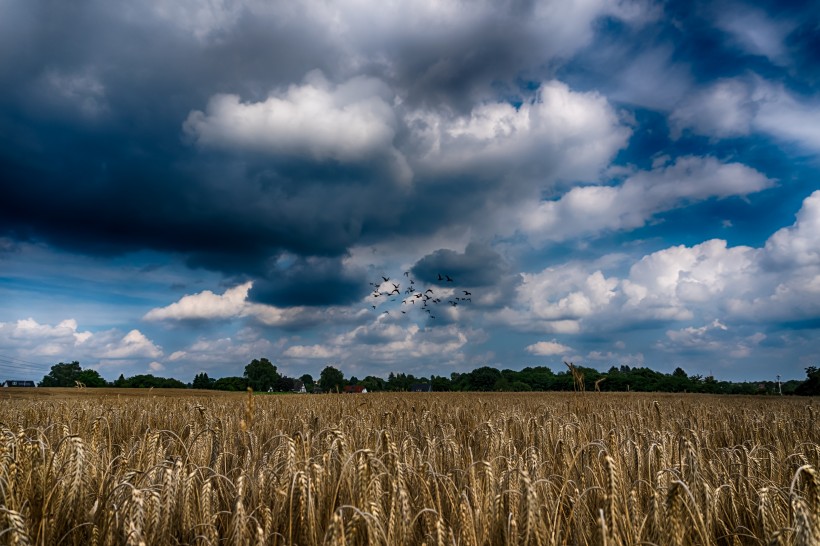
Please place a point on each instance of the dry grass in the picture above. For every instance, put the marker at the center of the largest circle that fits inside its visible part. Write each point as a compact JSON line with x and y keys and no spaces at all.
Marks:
{"x":538,"y":469}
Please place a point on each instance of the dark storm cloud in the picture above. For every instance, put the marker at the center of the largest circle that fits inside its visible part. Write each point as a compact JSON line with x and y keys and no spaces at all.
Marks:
{"x":309,"y":281}
{"x":478,"y":265}
{"x":95,"y":156}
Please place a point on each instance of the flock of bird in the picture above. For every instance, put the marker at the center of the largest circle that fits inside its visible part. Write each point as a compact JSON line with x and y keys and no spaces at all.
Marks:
{"x":413,"y":298}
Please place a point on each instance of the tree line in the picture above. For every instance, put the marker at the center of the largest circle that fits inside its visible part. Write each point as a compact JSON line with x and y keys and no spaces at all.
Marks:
{"x":262,"y":375}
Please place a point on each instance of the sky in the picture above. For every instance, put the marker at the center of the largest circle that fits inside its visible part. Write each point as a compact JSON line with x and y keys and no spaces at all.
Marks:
{"x":186,"y":186}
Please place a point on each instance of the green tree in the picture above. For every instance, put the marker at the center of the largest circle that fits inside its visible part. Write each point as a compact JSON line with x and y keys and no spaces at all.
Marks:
{"x":231,"y":384}
{"x":400,"y":382}
{"x":308,"y":382}
{"x":147,"y":381}
{"x":373,"y":383}
{"x":483,"y":378}
{"x":91,"y":378}
{"x":331,"y":379}
{"x":440,"y":383}
{"x":261,"y":375}
{"x":62,"y":375}
{"x":202,"y":381}
{"x":811,"y":386}
{"x":285,"y":384}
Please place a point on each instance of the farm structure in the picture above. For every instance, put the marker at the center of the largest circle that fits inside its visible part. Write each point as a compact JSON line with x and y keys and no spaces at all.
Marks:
{"x":18,"y":383}
{"x":354,"y":389}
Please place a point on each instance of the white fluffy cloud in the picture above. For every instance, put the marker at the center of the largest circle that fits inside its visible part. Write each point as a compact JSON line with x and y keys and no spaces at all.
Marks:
{"x":566,"y":292}
{"x":589,"y":210}
{"x":346,"y":122}
{"x":133,"y":344}
{"x":561,"y":133}
{"x":233,"y":304}
{"x":670,"y":283}
{"x":708,"y":283}
{"x":548,"y":348}
{"x":65,"y":341}
{"x":799,"y":244}
{"x":205,"y":305}
{"x":34,"y":339}
{"x":742,"y":106}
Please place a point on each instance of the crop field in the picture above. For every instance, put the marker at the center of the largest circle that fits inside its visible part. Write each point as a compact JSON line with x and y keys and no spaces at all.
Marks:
{"x":191,"y":467}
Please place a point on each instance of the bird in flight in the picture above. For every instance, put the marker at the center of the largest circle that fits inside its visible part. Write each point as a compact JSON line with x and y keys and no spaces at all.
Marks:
{"x":427,"y":296}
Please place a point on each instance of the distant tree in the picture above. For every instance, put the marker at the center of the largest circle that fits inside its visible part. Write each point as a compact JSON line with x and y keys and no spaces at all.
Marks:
{"x":811,"y":386}
{"x":400,"y":382}
{"x":285,"y":384}
{"x":261,"y":375}
{"x":539,"y":378}
{"x":231,"y":384}
{"x":147,"y":381}
{"x":502,"y":384}
{"x":308,"y":382}
{"x":91,"y":378}
{"x":373,"y":383}
{"x":331,"y":379}
{"x":677,"y":382}
{"x":483,"y":378}
{"x":202,"y":381}
{"x":440,"y":383}
{"x":62,"y":375}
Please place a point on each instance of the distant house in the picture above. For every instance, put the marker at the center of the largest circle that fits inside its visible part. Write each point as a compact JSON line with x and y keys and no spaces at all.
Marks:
{"x":354,"y":389}
{"x":421,"y":387}
{"x":18,"y":383}
{"x":298,"y":386}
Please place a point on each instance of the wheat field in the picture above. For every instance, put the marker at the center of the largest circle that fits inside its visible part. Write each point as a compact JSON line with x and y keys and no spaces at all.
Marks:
{"x":181,"y":467}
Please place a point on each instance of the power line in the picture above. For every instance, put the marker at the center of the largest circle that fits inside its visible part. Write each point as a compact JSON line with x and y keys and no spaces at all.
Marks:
{"x":12,"y":364}
{"x":15,"y":369}
{"x":14,"y":358}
